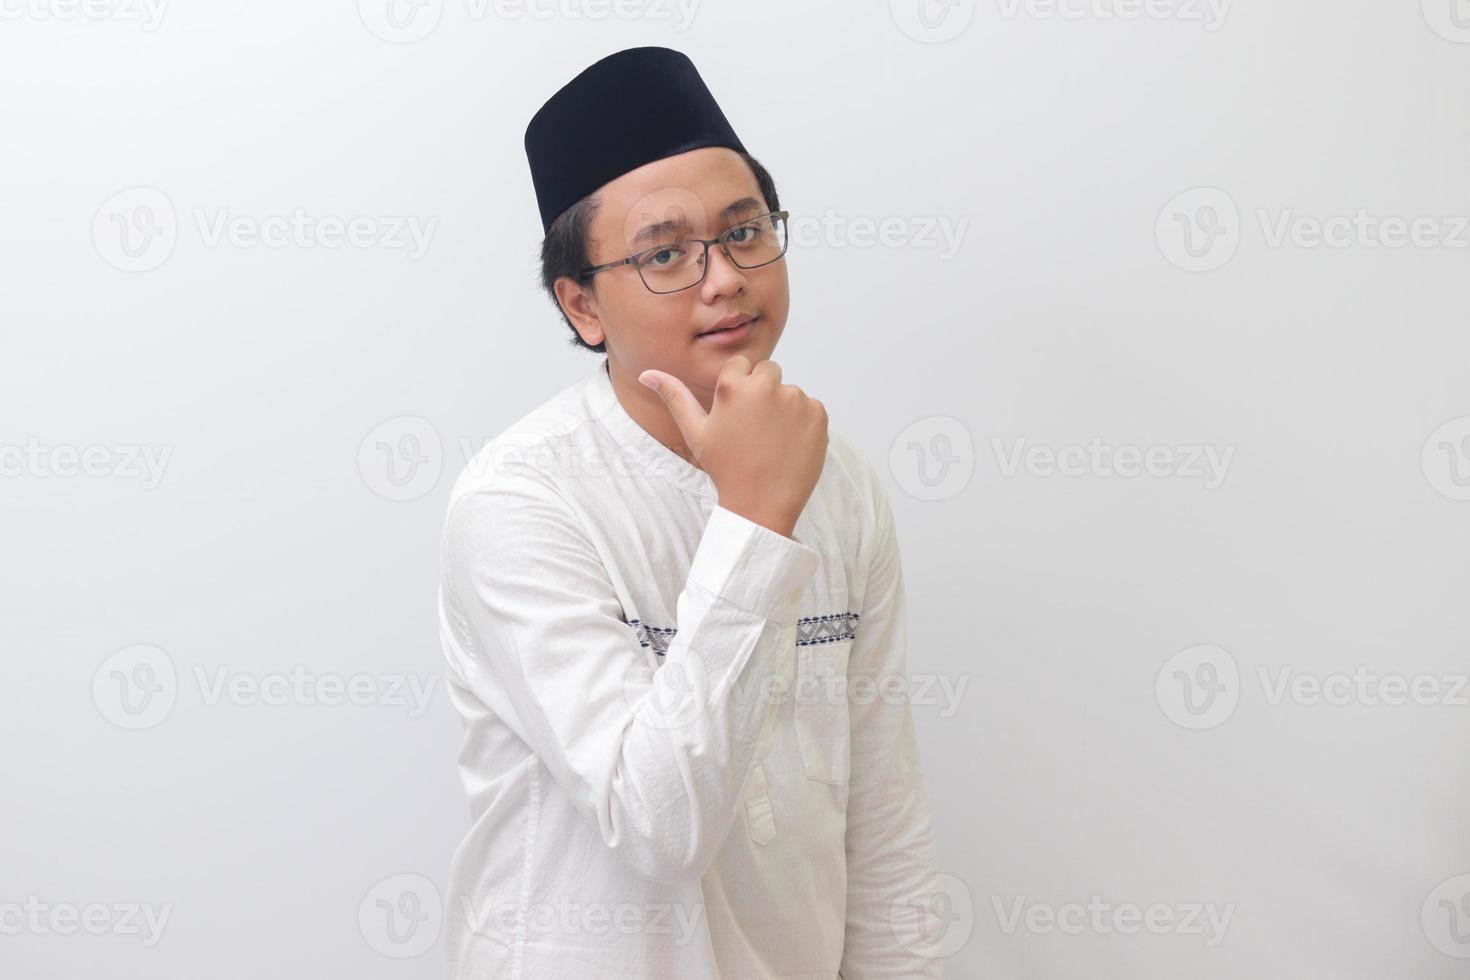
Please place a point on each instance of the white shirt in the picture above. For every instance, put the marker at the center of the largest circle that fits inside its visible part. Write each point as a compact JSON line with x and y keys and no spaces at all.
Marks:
{"x":668,"y":776}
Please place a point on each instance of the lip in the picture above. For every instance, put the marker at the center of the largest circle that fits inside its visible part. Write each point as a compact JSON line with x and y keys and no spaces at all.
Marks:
{"x":725,"y":323}
{"x":729,"y":336}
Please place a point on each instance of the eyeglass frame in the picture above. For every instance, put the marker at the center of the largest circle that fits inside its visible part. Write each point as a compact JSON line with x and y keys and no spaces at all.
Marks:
{"x":719,"y":240}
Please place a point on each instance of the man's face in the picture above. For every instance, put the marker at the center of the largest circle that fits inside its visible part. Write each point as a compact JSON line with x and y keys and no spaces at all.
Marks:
{"x":643,"y":329}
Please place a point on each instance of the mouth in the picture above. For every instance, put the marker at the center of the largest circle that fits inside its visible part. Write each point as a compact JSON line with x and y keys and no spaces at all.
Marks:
{"x":730,"y":329}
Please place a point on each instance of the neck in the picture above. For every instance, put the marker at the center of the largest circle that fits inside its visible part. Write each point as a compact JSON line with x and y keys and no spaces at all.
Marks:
{"x":647,"y":408}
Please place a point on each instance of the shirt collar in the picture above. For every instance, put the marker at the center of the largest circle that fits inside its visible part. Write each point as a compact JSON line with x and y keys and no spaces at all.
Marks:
{"x":639,"y":447}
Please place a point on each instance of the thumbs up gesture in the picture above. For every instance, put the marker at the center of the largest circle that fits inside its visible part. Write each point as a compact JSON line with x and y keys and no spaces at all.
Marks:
{"x":762,"y":442}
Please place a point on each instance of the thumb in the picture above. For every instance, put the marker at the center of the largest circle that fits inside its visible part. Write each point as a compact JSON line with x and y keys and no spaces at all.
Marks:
{"x":688,"y":414}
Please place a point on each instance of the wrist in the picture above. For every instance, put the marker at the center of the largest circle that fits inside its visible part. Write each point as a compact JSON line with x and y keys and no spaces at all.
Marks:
{"x":772,"y":518}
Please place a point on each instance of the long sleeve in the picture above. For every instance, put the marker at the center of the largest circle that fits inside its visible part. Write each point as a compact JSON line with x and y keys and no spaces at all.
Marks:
{"x":891,"y":930}
{"x":656,"y":758}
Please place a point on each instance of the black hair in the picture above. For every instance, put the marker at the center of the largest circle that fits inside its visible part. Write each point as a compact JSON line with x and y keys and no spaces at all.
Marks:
{"x":564,"y":249}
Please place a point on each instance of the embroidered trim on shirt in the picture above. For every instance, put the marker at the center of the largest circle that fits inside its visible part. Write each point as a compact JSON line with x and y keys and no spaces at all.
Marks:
{"x":810,"y":630}
{"x":657,"y":637}
{"x":833,"y":628}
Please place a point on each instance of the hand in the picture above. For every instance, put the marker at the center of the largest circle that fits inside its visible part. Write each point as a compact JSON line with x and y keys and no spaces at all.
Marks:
{"x":762,"y":442}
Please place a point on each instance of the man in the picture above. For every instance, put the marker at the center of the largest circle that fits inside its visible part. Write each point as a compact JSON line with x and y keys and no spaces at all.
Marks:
{"x":657,"y":588}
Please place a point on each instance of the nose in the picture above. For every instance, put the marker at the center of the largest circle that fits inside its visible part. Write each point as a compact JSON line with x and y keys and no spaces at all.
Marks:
{"x":722,"y":278}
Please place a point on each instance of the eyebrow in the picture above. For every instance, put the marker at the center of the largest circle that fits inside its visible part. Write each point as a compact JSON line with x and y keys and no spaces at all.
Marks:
{"x":649,"y":232}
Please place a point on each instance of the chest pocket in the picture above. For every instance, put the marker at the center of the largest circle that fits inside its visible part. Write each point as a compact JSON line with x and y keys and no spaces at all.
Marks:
{"x":824,"y":633}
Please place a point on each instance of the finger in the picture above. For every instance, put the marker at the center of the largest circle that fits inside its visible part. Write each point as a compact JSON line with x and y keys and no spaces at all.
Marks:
{"x":737,"y":366}
{"x":688,"y":414}
{"x":769,"y":369}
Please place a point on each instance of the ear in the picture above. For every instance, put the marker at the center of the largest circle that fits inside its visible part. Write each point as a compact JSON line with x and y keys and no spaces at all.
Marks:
{"x":580,"y":305}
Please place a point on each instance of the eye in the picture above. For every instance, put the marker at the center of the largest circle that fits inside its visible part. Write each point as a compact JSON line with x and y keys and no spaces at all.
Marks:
{"x":750,"y":233}
{"x":664,"y":256}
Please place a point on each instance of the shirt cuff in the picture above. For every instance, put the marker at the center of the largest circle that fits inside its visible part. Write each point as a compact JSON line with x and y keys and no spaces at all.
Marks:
{"x":752,"y":566}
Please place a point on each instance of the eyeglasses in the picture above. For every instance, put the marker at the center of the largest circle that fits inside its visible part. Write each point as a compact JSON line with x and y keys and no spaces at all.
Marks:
{"x":678,"y":265}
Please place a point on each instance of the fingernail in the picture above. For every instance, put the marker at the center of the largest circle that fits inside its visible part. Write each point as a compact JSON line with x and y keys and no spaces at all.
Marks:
{"x":648,"y":380}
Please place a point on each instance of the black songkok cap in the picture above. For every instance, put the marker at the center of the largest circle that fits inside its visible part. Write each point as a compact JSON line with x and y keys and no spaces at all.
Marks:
{"x":630,"y":108}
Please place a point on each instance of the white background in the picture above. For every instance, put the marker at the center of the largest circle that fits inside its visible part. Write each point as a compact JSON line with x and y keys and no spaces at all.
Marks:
{"x":1073,"y":309}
